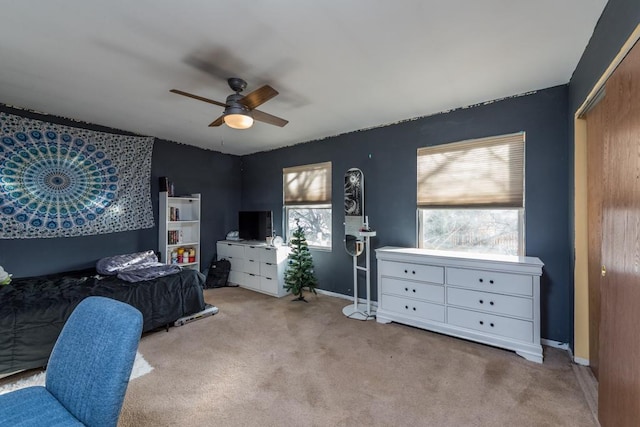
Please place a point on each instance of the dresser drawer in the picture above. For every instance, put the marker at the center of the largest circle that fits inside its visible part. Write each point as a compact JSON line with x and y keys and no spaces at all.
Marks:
{"x":268,"y":254}
{"x":407,"y":288}
{"x":268,"y":284}
{"x":253,"y":252}
{"x":251,"y":281}
{"x":252,"y":266}
{"x":415,"y":308}
{"x":237,"y":277}
{"x":227,"y":250}
{"x":492,"y":303}
{"x":490,"y":281}
{"x":403,"y":270}
{"x":268,"y":269}
{"x":491,"y":324}
{"x":237,"y":264}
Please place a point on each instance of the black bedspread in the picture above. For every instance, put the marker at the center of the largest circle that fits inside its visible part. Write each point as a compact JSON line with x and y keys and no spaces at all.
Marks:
{"x":33,"y":310}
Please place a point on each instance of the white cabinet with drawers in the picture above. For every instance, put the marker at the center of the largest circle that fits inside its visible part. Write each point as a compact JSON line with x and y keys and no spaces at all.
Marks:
{"x":490,"y":299}
{"x":255,"y":265}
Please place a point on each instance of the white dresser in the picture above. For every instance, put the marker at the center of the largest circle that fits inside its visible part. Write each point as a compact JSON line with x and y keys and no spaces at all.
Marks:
{"x":490,"y":299}
{"x":255,"y":265}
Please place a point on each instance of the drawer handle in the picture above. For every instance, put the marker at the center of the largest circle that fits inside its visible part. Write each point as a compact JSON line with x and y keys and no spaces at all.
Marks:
{"x":481,"y":302}
{"x":414,"y":291}
{"x":481,"y":280}
{"x":268,"y":263}
{"x":268,"y":278}
{"x":414,"y":309}
{"x":490,"y":302}
{"x":406,"y":271}
{"x":491,"y":324}
{"x":491,"y":281}
{"x":413,"y":272}
{"x":406,"y":289}
{"x":406,"y":307}
{"x":481,"y":322}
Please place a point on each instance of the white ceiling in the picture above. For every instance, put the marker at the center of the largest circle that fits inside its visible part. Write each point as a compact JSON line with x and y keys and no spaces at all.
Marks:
{"x":339,"y":65}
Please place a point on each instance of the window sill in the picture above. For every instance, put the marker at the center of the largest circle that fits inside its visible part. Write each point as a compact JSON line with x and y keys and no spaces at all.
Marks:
{"x":320,"y":248}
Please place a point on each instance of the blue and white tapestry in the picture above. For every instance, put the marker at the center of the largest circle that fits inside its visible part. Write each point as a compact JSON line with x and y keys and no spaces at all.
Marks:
{"x":61,"y":181}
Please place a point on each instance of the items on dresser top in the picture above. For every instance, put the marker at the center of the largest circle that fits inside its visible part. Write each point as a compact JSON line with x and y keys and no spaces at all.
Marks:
{"x":492,"y":299}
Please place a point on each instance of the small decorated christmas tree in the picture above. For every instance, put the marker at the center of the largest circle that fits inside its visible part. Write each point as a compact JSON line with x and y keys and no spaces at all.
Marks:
{"x":299,"y":274}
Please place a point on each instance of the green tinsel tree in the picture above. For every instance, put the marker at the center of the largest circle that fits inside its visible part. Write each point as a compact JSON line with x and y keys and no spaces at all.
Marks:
{"x":299,"y":274}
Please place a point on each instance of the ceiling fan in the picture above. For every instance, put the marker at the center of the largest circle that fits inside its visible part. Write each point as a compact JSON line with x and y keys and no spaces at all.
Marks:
{"x":240,"y":110}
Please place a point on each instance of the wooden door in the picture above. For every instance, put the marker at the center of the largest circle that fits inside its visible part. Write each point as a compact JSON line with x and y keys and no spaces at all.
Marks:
{"x":619,"y":356}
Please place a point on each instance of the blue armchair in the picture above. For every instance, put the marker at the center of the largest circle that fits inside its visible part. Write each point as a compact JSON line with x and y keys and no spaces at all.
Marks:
{"x":88,"y":371}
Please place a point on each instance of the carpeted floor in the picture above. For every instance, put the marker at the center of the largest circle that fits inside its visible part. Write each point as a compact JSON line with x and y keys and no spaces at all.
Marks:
{"x":263,"y":361}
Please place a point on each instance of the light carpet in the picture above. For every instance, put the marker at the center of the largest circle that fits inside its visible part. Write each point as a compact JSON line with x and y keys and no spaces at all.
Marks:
{"x":140,"y":368}
{"x":264,"y":361}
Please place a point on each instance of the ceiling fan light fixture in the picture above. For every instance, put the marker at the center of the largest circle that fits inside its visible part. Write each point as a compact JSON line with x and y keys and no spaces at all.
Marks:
{"x":238,"y":120}
{"x":237,"y":117}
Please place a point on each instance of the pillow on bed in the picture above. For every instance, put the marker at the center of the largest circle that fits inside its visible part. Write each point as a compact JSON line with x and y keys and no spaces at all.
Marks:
{"x":110,"y":266}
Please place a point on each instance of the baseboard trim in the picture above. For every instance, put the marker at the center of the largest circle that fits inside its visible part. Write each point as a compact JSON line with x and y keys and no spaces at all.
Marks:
{"x":345,"y":297}
{"x":333,"y":294}
{"x":555,"y":344}
{"x":581,"y":361}
{"x":578,"y":360}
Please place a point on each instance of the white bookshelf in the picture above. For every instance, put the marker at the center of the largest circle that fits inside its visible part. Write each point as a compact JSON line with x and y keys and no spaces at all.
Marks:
{"x":179,"y":228}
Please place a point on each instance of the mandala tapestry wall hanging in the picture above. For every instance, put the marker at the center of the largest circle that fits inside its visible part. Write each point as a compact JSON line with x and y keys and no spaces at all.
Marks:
{"x":61,"y":181}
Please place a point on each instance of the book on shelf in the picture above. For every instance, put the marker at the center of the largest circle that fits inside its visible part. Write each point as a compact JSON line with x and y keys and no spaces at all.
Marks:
{"x":174,"y":214}
{"x":166,"y":185}
{"x":173,"y":237}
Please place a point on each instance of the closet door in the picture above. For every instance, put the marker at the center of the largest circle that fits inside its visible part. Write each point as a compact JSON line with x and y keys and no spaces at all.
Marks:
{"x":619,"y":356}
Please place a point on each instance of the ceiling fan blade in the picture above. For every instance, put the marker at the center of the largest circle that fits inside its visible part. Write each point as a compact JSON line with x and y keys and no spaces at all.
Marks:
{"x":258,"y":97}
{"x":217,"y":122}
{"x":268,"y":118}
{"x":199,"y":98}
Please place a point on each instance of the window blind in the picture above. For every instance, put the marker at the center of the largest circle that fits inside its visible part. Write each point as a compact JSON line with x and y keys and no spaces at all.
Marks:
{"x":487,"y":172}
{"x":307,"y":184}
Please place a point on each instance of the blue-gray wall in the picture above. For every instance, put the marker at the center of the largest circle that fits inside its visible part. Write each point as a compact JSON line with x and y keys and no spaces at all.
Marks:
{"x":387,"y":156}
{"x":216,"y":176}
{"x":618,"y":20}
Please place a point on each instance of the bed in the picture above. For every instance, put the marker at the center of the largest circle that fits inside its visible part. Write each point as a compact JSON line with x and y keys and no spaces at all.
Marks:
{"x":33,"y":310}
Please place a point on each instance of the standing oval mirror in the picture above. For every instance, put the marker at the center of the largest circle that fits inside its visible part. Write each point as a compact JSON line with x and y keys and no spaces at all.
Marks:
{"x":353,"y":211}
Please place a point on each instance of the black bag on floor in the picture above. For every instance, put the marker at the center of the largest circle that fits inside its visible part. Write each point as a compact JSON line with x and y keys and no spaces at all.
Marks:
{"x":218,"y":275}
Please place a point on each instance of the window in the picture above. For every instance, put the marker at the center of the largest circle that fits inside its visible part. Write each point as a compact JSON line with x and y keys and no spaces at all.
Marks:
{"x":471,"y":195}
{"x":307,"y":198}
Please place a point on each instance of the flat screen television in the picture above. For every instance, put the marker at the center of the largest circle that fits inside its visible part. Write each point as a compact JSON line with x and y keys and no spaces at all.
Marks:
{"x":255,"y":225}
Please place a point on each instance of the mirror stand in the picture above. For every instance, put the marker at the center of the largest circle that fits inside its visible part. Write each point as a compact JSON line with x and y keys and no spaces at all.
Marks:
{"x":357,"y":310}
